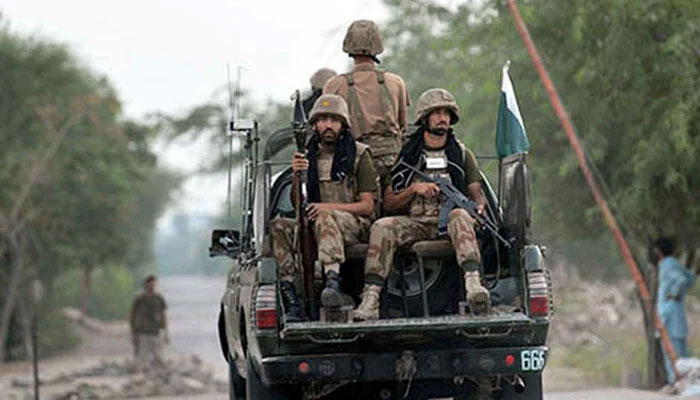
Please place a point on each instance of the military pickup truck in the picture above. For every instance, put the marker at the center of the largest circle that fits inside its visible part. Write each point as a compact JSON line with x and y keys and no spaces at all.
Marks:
{"x":426,"y":343}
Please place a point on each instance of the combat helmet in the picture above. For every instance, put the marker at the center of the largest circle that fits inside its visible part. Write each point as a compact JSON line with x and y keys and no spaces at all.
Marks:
{"x":431,"y":100}
{"x":320,"y":77}
{"x":363,"y":38}
{"x":330,"y":104}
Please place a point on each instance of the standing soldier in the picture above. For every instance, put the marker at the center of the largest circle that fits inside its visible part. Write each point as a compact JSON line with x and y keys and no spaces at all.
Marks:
{"x":341,"y":185}
{"x":377,"y":99}
{"x":436,"y":151}
{"x":146,"y":320}
{"x":318,"y":81}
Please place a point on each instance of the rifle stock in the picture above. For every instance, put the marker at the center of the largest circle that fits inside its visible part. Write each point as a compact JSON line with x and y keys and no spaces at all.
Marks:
{"x":306,"y":244}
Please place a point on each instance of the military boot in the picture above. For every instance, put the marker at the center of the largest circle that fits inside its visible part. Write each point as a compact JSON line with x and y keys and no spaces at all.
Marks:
{"x":478,"y":297}
{"x":293,"y":311}
{"x":332,"y":296}
{"x":369,"y":308}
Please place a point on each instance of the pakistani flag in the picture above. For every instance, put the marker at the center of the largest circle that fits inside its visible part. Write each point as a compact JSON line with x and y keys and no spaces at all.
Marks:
{"x":510,"y":130}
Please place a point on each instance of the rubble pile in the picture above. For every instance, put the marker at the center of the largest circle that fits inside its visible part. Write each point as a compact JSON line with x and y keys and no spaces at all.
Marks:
{"x":121,"y":379}
{"x":689,"y":384}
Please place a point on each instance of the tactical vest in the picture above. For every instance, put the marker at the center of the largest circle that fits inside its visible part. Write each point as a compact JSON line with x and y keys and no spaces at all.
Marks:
{"x":344,"y":191}
{"x":436,"y":167}
{"x":379,"y":137}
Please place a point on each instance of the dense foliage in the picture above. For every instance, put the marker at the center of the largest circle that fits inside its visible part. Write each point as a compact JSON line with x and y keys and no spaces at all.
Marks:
{"x":81,"y":186}
{"x":628,"y":71}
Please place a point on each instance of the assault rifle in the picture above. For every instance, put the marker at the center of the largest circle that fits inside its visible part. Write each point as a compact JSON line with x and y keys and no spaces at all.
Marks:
{"x":455,"y":198}
{"x":306,"y":244}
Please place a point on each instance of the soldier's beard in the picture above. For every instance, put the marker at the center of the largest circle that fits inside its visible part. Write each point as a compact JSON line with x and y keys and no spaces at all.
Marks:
{"x":329,"y":137}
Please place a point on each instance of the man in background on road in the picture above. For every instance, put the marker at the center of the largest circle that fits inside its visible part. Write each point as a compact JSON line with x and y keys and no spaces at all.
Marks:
{"x":377,"y":100}
{"x":674,"y":282}
{"x":146,"y":320}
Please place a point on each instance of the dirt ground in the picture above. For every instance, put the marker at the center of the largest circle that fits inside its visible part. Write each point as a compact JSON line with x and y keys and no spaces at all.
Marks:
{"x":192,"y":310}
{"x":192,"y":331}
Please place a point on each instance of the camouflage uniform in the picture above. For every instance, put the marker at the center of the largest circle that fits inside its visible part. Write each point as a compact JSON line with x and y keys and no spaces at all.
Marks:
{"x":377,"y":100}
{"x":333,"y":229}
{"x":390,"y":233}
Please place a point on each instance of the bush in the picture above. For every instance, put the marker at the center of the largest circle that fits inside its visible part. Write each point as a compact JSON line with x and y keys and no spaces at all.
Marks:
{"x":111,"y":291}
{"x":55,"y":333}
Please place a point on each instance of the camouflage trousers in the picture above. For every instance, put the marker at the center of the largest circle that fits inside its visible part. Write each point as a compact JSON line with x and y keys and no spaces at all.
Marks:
{"x":391,"y":233}
{"x":149,"y":352}
{"x":333,"y":231}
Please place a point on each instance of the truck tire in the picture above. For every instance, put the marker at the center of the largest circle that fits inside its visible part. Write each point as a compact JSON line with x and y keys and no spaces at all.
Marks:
{"x":236,"y":383}
{"x":255,"y":390}
{"x":533,"y":389}
{"x":221,"y":329}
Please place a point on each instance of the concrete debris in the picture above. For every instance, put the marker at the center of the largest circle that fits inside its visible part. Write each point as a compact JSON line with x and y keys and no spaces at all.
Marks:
{"x":689,"y":384}
{"x":119,"y":380}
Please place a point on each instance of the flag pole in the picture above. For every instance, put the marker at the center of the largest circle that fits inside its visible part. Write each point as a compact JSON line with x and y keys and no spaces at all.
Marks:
{"x":563,"y":116}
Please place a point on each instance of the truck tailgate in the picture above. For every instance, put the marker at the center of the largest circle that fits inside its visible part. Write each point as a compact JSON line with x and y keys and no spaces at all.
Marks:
{"x":494,"y":324}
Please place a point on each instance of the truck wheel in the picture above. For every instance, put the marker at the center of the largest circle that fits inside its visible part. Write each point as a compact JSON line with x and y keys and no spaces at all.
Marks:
{"x":533,"y":389}
{"x":236,"y":383}
{"x":255,"y":390}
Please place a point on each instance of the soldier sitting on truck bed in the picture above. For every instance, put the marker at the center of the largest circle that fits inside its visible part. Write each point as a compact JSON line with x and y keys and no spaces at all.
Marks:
{"x":436,"y":151}
{"x":341,"y":186}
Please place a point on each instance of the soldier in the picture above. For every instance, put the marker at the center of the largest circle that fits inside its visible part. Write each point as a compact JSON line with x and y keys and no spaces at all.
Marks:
{"x":341,"y":186}
{"x":377,"y":99}
{"x":318,"y":80}
{"x":146,"y":320}
{"x":435,"y":150}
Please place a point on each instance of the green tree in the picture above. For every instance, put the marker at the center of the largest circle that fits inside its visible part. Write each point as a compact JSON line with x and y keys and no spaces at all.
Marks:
{"x":81,"y":187}
{"x":628,"y":72}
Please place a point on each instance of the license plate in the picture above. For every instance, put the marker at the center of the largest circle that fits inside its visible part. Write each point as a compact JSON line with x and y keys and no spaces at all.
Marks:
{"x":532,"y":360}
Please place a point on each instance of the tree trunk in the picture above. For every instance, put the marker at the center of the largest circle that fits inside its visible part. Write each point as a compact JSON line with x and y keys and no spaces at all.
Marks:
{"x":24,"y":313}
{"x":85,"y":289}
{"x":656,"y":374}
{"x":690,"y":260}
{"x":15,"y":252}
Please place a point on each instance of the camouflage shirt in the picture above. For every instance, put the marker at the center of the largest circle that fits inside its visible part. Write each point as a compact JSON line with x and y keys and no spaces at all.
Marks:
{"x":370,"y":118}
{"x":148,"y":314}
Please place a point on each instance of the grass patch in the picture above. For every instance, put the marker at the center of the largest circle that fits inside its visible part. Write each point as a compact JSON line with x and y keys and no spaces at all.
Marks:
{"x":606,"y":364}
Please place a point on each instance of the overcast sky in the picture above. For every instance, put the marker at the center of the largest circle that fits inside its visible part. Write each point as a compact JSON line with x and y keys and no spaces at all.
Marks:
{"x":168,"y":55}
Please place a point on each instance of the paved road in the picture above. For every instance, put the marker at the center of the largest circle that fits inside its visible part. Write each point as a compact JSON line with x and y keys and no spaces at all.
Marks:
{"x":600,"y":394}
{"x":608,"y":394}
{"x":193,"y":307}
